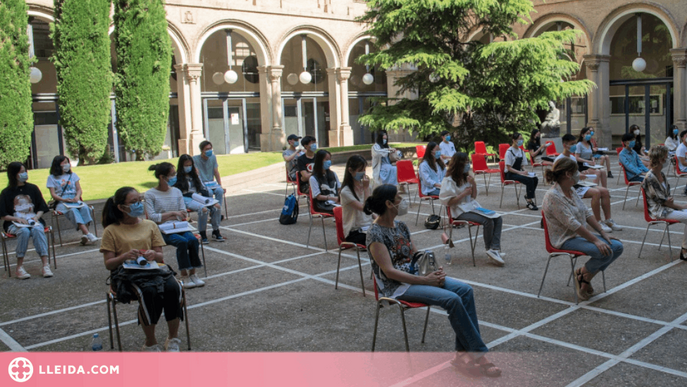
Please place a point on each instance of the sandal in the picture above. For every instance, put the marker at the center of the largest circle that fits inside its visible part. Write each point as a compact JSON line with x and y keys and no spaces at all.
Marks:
{"x":469,"y":368}
{"x":682,"y":256}
{"x":490,"y":370}
{"x":579,"y":280}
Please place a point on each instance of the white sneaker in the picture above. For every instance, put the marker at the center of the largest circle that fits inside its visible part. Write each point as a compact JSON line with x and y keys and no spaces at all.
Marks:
{"x":495,"y":257}
{"x":172,"y":345}
{"x":152,"y":348}
{"x":606,"y":228}
{"x":46,"y":271}
{"x":188,"y":283}
{"x":610,"y":223}
{"x":199,"y":282}
{"x":22,"y":274}
{"x":91,"y":238}
{"x":84,"y":240}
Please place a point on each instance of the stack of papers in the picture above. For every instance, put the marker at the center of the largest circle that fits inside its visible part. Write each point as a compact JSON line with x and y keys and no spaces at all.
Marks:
{"x":150,"y":265}
{"x":78,"y":204}
{"x":174,"y":227}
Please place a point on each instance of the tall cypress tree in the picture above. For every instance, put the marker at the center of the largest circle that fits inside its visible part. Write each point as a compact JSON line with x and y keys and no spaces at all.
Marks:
{"x":144,"y":57}
{"x":84,"y":76}
{"x":16,"y":117}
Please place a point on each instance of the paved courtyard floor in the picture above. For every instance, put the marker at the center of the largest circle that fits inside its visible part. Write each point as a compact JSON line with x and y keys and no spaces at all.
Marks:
{"x":267,"y":291}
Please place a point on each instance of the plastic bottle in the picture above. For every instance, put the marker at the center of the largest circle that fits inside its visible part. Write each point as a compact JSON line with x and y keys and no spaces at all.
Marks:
{"x":447,"y":254}
{"x":96,"y":343}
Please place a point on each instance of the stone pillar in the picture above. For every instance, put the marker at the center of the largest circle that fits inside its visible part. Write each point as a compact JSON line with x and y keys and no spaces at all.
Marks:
{"x":276,"y":140}
{"x":184,"y":109}
{"x":345,"y":131}
{"x":193,"y":72}
{"x":266,"y":115}
{"x":680,"y":87}
{"x":334,"y":107}
{"x":599,"y":98}
{"x":393,"y":91}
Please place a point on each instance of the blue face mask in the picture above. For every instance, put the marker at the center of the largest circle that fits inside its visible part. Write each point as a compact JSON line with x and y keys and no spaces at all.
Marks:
{"x":359,"y":176}
{"x":313,"y":147}
{"x":437,"y":155}
{"x":188,"y":169}
{"x":588,"y":137}
{"x":208,"y":153}
{"x":24,"y":176}
{"x":136,"y":210}
{"x":384,"y":141}
{"x":632,"y":143}
{"x":327,"y":164}
{"x":172,"y":180}
{"x":467,"y":168}
{"x":675,"y":132}
{"x":573,"y":148}
{"x":448,"y":137}
{"x":520,"y":142}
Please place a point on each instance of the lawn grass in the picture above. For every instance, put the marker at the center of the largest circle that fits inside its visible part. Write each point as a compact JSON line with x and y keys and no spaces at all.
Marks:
{"x":101,"y":181}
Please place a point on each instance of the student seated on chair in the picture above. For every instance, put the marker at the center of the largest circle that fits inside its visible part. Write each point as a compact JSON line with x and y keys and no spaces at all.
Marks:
{"x":589,"y":154}
{"x":188,"y":182}
{"x":659,"y":201}
{"x":208,"y":170}
{"x":634,"y":168}
{"x":65,"y":187}
{"x":306,"y":162}
{"x":681,"y":153}
{"x":22,"y":203}
{"x":448,"y":149}
{"x":671,"y":142}
{"x":324,"y":183}
{"x":166,"y":203}
{"x":566,"y":216}
{"x":601,"y":197}
{"x":432,"y":170}
{"x":458,"y":191}
{"x":515,"y":162}
{"x":383,"y":172}
{"x":536,"y":149}
{"x":356,"y":188}
{"x":291,"y":154}
{"x":391,"y":249}
{"x":127,"y":237}
{"x":639,"y":147}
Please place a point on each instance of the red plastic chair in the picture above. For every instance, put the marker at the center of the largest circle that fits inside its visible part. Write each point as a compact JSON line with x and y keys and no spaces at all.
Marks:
{"x":4,"y":236}
{"x":551,"y":149}
{"x":456,"y":222}
{"x":315,"y":213}
{"x":628,"y":183}
{"x":343,"y":245}
{"x":533,"y":164}
{"x":294,"y":184}
{"x":420,"y":150}
{"x":503,"y":148}
{"x":678,"y":173}
{"x":554,"y":252}
{"x":402,"y":306}
{"x":479,"y":167}
{"x":481,"y":150}
{"x":504,"y":183}
{"x":653,"y":221}
{"x":423,"y":198}
{"x":299,"y":186}
{"x":55,"y":219}
{"x":406,"y":175}
{"x":618,"y":150}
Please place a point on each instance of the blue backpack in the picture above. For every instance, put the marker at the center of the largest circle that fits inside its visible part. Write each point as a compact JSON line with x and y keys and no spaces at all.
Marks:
{"x":289,"y":213}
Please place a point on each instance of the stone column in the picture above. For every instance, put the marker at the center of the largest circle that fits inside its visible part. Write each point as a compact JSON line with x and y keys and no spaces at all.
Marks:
{"x":184,"y":109}
{"x":334,"y":108}
{"x":266,"y":116}
{"x":599,"y":99}
{"x":345,"y":132}
{"x":193,"y":72}
{"x":680,"y":87}
{"x":393,"y":91}
{"x":276,"y":140}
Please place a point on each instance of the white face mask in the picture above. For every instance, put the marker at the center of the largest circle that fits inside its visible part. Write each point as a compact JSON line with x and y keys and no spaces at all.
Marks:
{"x":402,"y":208}
{"x":637,"y":132}
{"x":575,"y":177}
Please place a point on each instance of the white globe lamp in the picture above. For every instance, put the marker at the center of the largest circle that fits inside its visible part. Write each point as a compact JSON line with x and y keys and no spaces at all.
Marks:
{"x":231,"y":77}
{"x":218,"y":78}
{"x":305,"y":77}
{"x":433,"y":78}
{"x":292,"y":79}
{"x":368,"y":79}
{"x":35,"y":76}
{"x":639,"y":64}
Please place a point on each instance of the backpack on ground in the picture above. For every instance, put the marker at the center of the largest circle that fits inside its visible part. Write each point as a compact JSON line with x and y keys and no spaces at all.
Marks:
{"x":289,"y":213}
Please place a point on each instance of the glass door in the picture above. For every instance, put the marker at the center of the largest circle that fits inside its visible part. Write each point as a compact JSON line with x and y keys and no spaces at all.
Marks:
{"x":225,"y":125}
{"x":307,"y":117}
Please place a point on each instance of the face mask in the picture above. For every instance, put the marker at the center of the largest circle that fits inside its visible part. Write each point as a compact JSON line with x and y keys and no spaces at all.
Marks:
{"x":135,"y":210}
{"x":188,"y":169}
{"x":448,"y":138}
{"x":675,"y":132}
{"x":437,"y":155}
{"x":467,"y":168}
{"x":636,"y":132}
{"x":327,"y":164}
{"x":208,"y":153}
{"x":632,"y":143}
{"x":573,"y":148}
{"x":588,"y":137}
{"x":172,"y":180}
{"x":24,"y":176}
{"x":313,"y":147}
{"x":576,"y":177}
{"x":402,"y":208}
{"x":520,"y":142}
{"x":66,"y":168}
{"x":384,"y":141}
{"x":359,"y":176}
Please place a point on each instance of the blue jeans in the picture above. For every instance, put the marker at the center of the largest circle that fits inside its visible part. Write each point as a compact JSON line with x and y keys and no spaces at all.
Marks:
{"x":213,"y":211}
{"x":457,"y":298}
{"x":598,"y":261}
{"x":76,"y":215}
{"x":218,"y":194}
{"x":637,"y":178}
{"x":434,"y":192}
{"x":40,"y":241}
{"x":187,"y":249}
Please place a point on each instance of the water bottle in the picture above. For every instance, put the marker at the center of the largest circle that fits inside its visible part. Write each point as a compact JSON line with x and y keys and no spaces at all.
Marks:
{"x":447,"y":254}
{"x":96,"y":343}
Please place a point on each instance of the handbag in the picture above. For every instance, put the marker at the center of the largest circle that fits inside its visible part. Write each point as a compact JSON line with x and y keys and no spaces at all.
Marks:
{"x":423,"y":263}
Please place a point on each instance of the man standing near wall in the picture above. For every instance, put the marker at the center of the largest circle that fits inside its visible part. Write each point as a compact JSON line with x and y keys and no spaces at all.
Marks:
{"x":208,"y":170}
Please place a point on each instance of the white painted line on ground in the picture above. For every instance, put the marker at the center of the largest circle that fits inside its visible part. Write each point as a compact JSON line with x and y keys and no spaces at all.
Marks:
{"x":10,"y":342}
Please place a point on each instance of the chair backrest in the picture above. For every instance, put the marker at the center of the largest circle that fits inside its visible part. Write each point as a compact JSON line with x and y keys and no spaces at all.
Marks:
{"x":288,"y":179}
{"x":419,"y":189}
{"x":479,"y":163}
{"x":420,"y":150}
{"x":313,"y":211}
{"x":677,"y":167}
{"x":551,"y":149}
{"x":480,"y":148}
{"x":647,"y":215}
{"x":502,"y":166}
{"x":502,"y":151}
{"x":338,"y":219}
{"x":549,"y":246}
{"x":622,"y":170}
{"x":374,"y":279}
{"x":618,"y":150}
{"x":405,"y":170}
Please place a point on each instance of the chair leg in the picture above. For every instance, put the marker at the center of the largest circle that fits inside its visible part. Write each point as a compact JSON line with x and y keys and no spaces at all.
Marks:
{"x":501,"y":202}
{"x":603,"y":276}
{"x":324,"y":234}
{"x":626,"y":192}
{"x":109,"y":319}
{"x":202,"y":254}
{"x":572,"y":272}
{"x":574,"y":261}
{"x":472,"y":248}
{"x":338,"y":267}
{"x":639,"y":194}
{"x":676,"y":185}
{"x":226,"y":208}
{"x":374,"y":334}
{"x":188,"y":331}
{"x":643,"y":240}
{"x":670,"y":246}
{"x":54,"y":257}
{"x":307,"y":244}
{"x":405,"y":331}
{"x":419,"y":204}
{"x":6,"y":258}
{"x":360,"y":268}
{"x":116,"y":321}
{"x":486,"y":186}
{"x":544,"y":277}
{"x":424,"y":331}
{"x":95,"y":224}
{"x":59,"y":232}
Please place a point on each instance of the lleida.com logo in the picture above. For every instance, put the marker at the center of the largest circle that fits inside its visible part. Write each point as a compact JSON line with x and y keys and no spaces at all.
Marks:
{"x":20,"y":369}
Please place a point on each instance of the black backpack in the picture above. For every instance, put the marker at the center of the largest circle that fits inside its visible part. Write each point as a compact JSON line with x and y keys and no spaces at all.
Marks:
{"x":289,"y":213}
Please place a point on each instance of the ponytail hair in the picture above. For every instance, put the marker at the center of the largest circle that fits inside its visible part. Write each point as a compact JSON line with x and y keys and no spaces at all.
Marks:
{"x":161,"y":169}
{"x":111,"y":212}
{"x":376,"y":203}
{"x":560,"y":168}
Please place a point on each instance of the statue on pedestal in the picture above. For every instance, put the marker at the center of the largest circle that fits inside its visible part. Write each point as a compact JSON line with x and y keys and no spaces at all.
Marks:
{"x":551,"y":125}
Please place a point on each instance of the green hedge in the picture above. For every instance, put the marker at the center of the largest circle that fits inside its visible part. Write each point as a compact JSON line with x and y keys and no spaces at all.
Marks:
{"x":16,"y":117}
{"x":84,"y":75}
{"x":144,"y":60}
